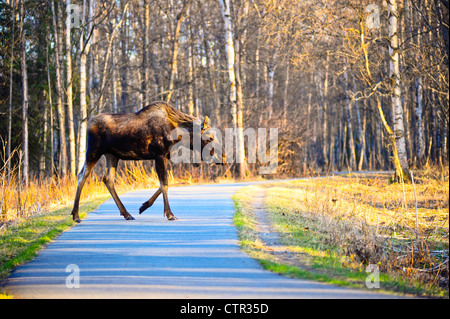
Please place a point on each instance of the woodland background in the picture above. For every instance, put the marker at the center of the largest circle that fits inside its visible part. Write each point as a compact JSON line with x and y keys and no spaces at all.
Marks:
{"x":359,"y":85}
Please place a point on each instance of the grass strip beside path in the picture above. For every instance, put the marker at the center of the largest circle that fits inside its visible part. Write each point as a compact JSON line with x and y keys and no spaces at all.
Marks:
{"x":22,"y":241}
{"x":331,"y":229}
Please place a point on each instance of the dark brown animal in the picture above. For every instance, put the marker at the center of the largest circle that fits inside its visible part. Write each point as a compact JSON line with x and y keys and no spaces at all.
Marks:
{"x":144,"y":135}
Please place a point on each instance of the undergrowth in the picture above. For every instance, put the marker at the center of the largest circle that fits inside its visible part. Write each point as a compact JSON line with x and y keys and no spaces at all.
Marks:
{"x":369,"y":221}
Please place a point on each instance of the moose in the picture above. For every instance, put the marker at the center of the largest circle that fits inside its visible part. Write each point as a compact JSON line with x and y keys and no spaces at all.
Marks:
{"x":144,"y":135}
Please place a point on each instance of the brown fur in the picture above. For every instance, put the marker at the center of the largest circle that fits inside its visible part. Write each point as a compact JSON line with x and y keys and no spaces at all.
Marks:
{"x":144,"y":135}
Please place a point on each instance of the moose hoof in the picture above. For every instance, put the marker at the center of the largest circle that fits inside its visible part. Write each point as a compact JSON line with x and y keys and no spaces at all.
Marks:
{"x":77,"y":220}
{"x":129,"y":217}
{"x":142,"y":208}
{"x":172,"y":218}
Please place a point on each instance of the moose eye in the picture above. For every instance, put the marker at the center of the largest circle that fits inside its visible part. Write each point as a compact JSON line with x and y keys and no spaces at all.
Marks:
{"x":208,"y":138}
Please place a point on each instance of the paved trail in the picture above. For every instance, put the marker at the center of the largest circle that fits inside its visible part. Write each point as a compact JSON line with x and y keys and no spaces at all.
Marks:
{"x":195,"y":257}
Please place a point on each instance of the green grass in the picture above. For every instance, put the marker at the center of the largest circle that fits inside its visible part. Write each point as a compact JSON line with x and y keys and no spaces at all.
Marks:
{"x":321,"y":260}
{"x":326,"y":260}
{"x":318,"y":257}
{"x":22,"y":241}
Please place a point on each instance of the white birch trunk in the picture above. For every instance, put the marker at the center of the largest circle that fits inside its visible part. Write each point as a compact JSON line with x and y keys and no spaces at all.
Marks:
{"x":286,"y":91}
{"x":348,"y":105}
{"x":231,"y":58}
{"x":191,"y":81}
{"x":145,"y":55}
{"x":83,"y":105}
{"x":325,"y":145}
{"x":114,"y":77}
{"x":240,"y":151}
{"x":394,"y":73}
{"x":271,"y":75}
{"x":69,"y":93}
{"x":229,"y":48}
{"x":92,"y":71}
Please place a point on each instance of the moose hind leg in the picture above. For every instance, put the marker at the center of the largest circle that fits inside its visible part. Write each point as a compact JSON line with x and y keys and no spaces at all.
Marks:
{"x":161,"y":170}
{"x":108,"y":179}
{"x":150,"y":202}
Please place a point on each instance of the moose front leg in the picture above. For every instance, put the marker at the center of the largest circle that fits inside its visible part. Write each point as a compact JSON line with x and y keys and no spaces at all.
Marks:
{"x":82,"y":177}
{"x":161,"y":170}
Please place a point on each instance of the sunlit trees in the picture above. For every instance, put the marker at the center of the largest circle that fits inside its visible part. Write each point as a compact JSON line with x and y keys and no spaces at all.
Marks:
{"x":350,"y":84}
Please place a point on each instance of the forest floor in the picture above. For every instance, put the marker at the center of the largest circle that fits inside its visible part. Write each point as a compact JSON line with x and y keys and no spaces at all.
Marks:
{"x":356,"y":230}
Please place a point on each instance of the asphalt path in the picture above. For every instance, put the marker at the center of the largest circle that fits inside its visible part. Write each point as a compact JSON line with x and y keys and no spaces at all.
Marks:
{"x":197,"y":256}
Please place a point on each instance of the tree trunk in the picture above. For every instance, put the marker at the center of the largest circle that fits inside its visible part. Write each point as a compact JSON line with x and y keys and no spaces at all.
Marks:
{"x":124,"y":58}
{"x":43,"y":152}
{"x":362,"y":135}
{"x":348,"y":106}
{"x":60,"y":109}
{"x":419,"y":136}
{"x":286,"y":92}
{"x":240,"y":111}
{"x":271,"y":67}
{"x":105,"y":64}
{"x":70,"y":94}
{"x":11,"y":64}
{"x":25,"y":163}
{"x":213,"y":80}
{"x":176,"y":36}
{"x":397,"y":165}
{"x":257,"y":75}
{"x":402,"y":167}
{"x":145,"y":50}
{"x":92,"y":71}
{"x":50,"y":106}
{"x":83,"y":106}
{"x":191,"y":81}
{"x":325,"y":145}
{"x":230,"y":53}
{"x":114,"y":77}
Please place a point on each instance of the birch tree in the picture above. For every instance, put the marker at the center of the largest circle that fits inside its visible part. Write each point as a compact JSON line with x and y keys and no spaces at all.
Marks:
{"x":278,"y":63}
{"x":69,"y":91}
{"x":84,"y":50}
{"x":231,"y":57}
{"x":402,"y":168}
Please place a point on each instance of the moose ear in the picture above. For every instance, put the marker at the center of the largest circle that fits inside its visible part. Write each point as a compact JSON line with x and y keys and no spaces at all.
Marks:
{"x":206,"y":122}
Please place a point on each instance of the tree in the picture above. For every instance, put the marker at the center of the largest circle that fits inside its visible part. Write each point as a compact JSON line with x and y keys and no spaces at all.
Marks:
{"x":175,"y":38}
{"x":69,"y":92}
{"x":25,"y":154}
{"x":236,"y":113}
{"x":59,"y":93}
{"x":10,"y":107}
{"x":338,"y":78}
{"x":401,"y":158}
{"x":84,"y":50}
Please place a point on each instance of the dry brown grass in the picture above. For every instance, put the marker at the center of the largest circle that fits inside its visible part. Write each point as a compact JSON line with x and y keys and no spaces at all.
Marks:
{"x":42,"y":195}
{"x":374,"y":222}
